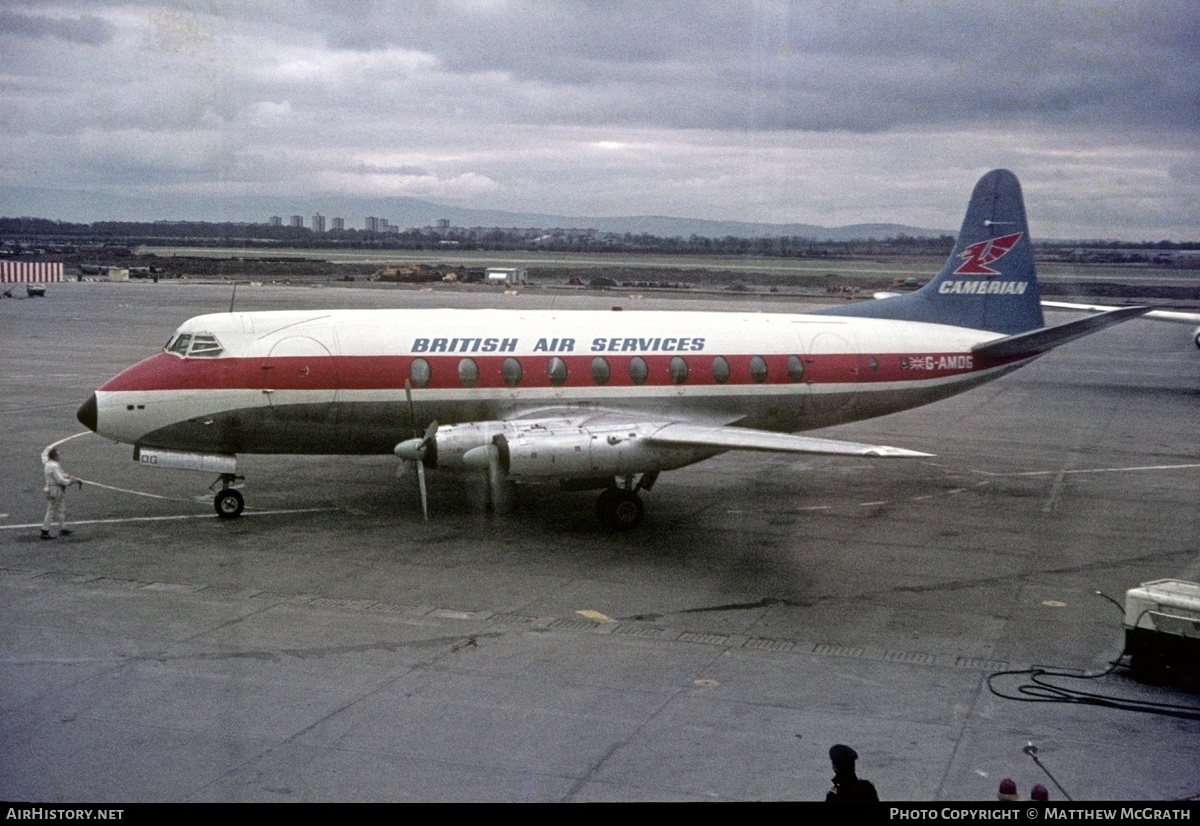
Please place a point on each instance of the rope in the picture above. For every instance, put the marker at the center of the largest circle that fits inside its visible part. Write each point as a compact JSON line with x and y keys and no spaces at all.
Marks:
{"x":52,"y":445}
{"x":134,"y":492}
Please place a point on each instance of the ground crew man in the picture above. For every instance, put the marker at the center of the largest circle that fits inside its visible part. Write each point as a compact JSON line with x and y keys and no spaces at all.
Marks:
{"x":56,"y":487}
{"x":848,"y":787}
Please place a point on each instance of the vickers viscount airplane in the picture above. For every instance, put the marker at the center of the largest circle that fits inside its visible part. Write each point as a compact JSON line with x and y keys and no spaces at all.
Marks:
{"x":593,"y":399}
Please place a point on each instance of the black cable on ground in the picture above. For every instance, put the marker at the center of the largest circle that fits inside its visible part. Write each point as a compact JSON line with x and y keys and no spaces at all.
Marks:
{"x":1038,"y":690}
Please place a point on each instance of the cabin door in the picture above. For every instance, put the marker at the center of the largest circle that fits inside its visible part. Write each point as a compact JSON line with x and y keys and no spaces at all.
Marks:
{"x":300,"y":373}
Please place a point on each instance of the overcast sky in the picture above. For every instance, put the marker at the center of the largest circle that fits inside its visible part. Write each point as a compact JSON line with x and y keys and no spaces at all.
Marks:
{"x":816,"y":112}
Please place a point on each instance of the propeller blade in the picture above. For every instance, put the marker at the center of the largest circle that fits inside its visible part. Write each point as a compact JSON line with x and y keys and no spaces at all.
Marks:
{"x":414,"y":449}
{"x":421,"y":485}
{"x":495,"y":477}
{"x":412,"y":418}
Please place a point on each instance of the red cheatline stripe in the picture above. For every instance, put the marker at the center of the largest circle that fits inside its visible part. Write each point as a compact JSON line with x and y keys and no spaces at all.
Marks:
{"x":165,"y":371}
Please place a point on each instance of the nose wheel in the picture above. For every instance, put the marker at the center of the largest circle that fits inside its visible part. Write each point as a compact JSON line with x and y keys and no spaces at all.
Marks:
{"x":228,"y":501}
{"x":229,"y":504}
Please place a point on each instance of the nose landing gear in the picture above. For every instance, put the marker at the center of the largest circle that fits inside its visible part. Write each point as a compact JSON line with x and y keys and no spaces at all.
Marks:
{"x":228,"y":501}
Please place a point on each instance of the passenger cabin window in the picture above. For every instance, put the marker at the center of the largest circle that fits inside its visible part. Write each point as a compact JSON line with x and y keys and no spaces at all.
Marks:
{"x":600,"y":370}
{"x":511,"y":372}
{"x":638,"y":371}
{"x":678,"y":370}
{"x":419,"y":373}
{"x":720,"y":370}
{"x":468,"y":373}
{"x":795,"y":368}
{"x":758,"y":369}
{"x":556,"y":371}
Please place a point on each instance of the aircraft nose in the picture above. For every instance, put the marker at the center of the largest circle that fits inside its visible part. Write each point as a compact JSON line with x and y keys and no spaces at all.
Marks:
{"x":87,"y":413}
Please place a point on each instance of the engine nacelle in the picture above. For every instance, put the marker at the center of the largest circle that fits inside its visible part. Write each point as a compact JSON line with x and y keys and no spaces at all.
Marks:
{"x":588,"y":453}
{"x":452,"y":441}
{"x":549,"y":450}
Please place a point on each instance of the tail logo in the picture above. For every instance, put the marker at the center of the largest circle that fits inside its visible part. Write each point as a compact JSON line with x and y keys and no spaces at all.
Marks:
{"x":977,"y":256}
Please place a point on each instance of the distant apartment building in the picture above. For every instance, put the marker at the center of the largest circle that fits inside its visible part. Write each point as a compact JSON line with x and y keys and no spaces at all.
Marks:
{"x":318,"y":223}
{"x":443,"y":224}
{"x":338,"y":225}
{"x":276,"y":221}
{"x":374,"y":224}
{"x":296,"y":221}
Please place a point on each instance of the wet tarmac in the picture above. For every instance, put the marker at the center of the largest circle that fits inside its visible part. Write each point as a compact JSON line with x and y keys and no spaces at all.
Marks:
{"x":331,"y":645}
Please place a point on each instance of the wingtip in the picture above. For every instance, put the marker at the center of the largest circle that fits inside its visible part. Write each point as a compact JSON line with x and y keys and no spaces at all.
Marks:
{"x":885,"y":451}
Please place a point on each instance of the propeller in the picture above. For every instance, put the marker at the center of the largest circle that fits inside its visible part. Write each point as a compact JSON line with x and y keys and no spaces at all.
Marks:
{"x":493,"y":460}
{"x":417,"y":448}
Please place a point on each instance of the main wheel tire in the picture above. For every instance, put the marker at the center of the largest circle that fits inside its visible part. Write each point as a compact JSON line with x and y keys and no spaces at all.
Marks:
{"x":620,"y":509}
{"x":604,"y":505}
{"x":229,"y":504}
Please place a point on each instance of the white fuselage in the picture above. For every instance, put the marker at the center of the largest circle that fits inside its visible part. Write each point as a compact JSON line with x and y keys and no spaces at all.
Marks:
{"x":334,"y":382}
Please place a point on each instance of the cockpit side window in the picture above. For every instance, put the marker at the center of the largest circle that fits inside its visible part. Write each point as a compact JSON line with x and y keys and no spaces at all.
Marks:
{"x":179,"y":345}
{"x":205,"y":345}
{"x":199,"y":345}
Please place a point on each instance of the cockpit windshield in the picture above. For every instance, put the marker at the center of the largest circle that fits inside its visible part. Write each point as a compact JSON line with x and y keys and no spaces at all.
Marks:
{"x":198,"y":345}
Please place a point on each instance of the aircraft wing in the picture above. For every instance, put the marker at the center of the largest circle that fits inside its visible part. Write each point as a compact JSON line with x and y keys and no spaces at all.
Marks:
{"x":742,"y":438}
{"x":718,"y":433}
{"x":664,"y":430}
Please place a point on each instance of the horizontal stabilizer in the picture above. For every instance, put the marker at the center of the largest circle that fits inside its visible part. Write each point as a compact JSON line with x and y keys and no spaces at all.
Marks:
{"x":1158,"y":315}
{"x":1036,"y":342}
{"x":741,"y":438}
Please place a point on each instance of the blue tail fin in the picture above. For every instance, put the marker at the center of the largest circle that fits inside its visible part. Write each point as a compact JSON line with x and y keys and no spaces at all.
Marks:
{"x":988,"y":283}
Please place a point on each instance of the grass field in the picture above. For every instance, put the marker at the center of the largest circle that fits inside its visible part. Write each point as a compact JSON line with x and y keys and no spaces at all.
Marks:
{"x":867,"y":269}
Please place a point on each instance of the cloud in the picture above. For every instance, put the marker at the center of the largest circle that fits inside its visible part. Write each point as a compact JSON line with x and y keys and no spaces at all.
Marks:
{"x":812,"y":112}
{"x":85,"y":29}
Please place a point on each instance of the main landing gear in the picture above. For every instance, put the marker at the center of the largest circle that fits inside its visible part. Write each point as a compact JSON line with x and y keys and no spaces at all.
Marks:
{"x":620,"y":508}
{"x":228,"y":501}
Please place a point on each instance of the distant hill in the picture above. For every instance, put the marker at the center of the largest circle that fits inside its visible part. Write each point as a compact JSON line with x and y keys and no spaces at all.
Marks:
{"x":87,"y":207}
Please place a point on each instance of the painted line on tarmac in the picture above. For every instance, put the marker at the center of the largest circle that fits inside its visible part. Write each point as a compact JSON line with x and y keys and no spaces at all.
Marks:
{"x":246,"y":513}
{"x":881,"y":502}
{"x":1092,"y":470}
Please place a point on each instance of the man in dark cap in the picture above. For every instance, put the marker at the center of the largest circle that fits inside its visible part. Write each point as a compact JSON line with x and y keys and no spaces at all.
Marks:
{"x":847,"y":786}
{"x":57,"y":482}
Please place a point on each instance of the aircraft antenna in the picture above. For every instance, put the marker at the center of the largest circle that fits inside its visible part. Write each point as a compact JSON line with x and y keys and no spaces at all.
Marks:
{"x":233,"y":297}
